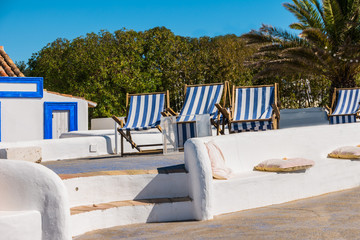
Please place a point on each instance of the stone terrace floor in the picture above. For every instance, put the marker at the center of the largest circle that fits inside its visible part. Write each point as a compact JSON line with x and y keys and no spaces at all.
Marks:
{"x":117,"y":163}
{"x":330,"y":216}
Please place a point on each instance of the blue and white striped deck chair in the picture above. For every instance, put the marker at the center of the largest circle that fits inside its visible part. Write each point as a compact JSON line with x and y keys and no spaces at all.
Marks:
{"x":347,"y":106}
{"x":199,"y":99}
{"x":254,"y":108}
{"x":144,"y":112}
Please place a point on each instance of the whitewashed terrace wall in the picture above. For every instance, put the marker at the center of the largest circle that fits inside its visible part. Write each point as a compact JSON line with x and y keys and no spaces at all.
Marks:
{"x":29,"y":187}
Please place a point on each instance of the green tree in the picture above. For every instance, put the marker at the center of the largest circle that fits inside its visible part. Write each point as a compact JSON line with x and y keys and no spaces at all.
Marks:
{"x":327,"y":47}
{"x":103,"y":67}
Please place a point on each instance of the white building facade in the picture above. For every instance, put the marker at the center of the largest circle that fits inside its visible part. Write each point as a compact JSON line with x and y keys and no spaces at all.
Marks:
{"x":28,"y":112}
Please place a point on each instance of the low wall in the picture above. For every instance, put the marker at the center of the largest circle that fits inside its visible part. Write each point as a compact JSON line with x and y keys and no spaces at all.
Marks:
{"x":28,"y":189}
{"x":84,"y":144}
{"x":303,"y":117}
{"x":250,"y":189}
{"x":69,"y":148}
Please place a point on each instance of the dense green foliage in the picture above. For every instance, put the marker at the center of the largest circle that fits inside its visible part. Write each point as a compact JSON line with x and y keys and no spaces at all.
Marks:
{"x":326,"y":52}
{"x":103,"y":67}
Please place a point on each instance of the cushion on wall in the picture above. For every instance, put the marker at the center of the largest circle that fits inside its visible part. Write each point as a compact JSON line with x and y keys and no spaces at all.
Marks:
{"x":346,"y":152}
{"x":284,"y":165}
{"x":219,"y":169}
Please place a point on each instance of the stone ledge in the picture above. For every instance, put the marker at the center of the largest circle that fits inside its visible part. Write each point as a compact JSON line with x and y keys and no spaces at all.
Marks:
{"x":140,"y":202}
{"x":30,"y":154}
{"x":122,"y":172}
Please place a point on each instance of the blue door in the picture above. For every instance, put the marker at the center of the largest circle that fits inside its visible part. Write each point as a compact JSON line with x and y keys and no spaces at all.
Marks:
{"x":49,"y":107}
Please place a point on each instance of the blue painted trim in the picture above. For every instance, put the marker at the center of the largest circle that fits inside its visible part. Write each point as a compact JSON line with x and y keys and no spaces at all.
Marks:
{"x":49,"y":107}
{"x":39,"y":81}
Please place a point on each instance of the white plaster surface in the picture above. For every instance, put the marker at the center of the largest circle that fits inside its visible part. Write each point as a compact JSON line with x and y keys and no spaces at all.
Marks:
{"x":150,"y":136}
{"x":22,"y":119}
{"x":163,"y":212}
{"x":78,"y":144}
{"x":69,"y":148}
{"x":20,"y":225}
{"x":108,"y":188}
{"x":103,"y":123}
{"x":18,"y":87}
{"x":88,"y":133}
{"x":28,"y":186}
{"x":250,"y":189}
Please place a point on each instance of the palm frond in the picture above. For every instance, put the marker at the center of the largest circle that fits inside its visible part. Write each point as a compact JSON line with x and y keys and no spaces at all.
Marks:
{"x":281,"y":35}
{"x":305,"y":12}
{"x":315,"y":37}
{"x":256,"y":37}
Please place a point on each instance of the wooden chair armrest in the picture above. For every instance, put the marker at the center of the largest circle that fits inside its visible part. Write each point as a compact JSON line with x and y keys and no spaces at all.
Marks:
{"x":118,"y":121}
{"x":171,"y":111}
{"x":223,"y":111}
{"x":276,"y":110}
{"x":166,"y":114}
{"x":328,"y":109}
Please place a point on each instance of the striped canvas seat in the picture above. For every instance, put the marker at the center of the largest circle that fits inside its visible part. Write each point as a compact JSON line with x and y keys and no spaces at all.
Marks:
{"x":145,"y":111}
{"x":253,"y":103}
{"x":199,"y":99}
{"x":346,"y":107}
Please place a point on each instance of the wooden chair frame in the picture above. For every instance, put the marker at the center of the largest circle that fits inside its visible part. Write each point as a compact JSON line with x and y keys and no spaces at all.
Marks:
{"x":127,"y":134}
{"x":276,"y":108}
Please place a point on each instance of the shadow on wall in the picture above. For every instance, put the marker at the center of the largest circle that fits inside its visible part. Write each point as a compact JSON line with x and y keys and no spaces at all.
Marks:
{"x":169,"y":191}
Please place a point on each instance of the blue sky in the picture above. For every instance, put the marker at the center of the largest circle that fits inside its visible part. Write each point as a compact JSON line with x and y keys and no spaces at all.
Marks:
{"x":27,"y":26}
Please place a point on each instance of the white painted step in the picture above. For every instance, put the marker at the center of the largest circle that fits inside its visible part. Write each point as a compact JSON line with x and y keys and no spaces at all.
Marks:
{"x":106,"y":215}
{"x":20,"y":225}
{"x":100,"y":187}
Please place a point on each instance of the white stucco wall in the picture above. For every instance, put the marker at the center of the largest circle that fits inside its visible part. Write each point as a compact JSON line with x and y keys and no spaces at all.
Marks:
{"x":251,"y":189}
{"x":20,"y":225}
{"x":22,"y":119}
{"x":29,"y":188}
{"x":103,"y":123}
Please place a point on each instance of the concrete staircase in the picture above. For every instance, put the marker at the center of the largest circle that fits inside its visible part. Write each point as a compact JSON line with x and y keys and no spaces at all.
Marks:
{"x":112,"y":198}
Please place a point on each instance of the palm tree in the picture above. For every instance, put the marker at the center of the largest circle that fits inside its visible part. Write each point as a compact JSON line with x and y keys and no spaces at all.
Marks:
{"x":328,"y":45}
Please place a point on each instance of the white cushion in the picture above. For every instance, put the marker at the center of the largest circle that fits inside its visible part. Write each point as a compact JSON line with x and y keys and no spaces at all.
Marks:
{"x":346,"y":152}
{"x":219,"y":169}
{"x":284,"y":165}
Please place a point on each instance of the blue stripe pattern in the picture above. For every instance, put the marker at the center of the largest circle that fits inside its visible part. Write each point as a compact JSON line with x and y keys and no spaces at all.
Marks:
{"x":200,"y":100}
{"x":342,"y":119}
{"x":347,"y":104}
{"x":185,"y":131}
{"x":145,"y":111}
{"x":250,"y":104}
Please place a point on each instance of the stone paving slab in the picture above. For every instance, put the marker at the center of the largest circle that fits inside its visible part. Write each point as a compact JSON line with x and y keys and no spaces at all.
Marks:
{"x":330,"y":216}
{"x":158,"y":162}
{"x":142,"y":202}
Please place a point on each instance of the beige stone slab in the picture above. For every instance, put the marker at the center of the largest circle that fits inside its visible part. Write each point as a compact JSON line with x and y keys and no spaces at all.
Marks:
{"x":142,"y":202}
{"x":120,"y":172}
{"x":30,"y":154}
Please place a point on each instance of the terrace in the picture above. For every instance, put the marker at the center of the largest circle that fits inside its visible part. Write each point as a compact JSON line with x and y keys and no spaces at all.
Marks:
{"x":107,"y":190}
